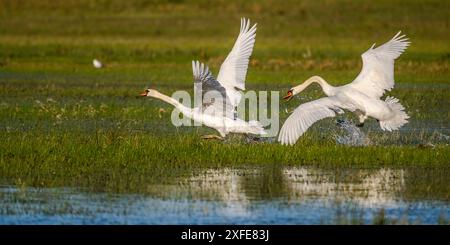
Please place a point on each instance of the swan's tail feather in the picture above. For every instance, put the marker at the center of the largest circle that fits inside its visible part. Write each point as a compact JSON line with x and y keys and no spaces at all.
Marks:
{"x":400,"y":117}
{"x":256,"y":127}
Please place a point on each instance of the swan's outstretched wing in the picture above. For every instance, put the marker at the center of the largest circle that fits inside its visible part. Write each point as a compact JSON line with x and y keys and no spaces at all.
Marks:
{"x":306,"y":115}
{"x":214,"y":96}
{"x":234,"y":69}
{"x":377,"y":74}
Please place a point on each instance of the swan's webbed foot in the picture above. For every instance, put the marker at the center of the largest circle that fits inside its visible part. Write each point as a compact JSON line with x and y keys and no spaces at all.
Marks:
{"x":211,"y":137}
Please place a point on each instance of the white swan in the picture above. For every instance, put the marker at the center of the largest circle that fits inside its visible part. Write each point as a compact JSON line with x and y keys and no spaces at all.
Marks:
{"x":219,"y":112}
{"x":361,"y":96}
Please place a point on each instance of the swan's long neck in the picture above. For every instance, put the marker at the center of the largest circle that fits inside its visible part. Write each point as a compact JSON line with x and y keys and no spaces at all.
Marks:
{"x":327,"y":88}
{"x":170,"y":100}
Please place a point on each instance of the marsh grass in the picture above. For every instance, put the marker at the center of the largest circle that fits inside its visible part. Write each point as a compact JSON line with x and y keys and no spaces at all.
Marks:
{"x":64,"y":123}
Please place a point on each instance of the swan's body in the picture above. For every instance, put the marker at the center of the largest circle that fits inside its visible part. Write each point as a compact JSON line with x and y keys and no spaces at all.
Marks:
{"x":220,"y":111}
{"x":362,"y":96}
{"x":222,"y":124}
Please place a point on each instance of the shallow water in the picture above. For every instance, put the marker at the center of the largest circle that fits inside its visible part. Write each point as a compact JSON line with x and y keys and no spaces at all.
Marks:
{"x":252,"y":196}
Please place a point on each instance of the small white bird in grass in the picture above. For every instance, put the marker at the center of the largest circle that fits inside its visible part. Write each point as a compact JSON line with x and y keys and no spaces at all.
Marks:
{"x":97,"y":64}
{"x":220,"y":112}
{"x":362,"y":96}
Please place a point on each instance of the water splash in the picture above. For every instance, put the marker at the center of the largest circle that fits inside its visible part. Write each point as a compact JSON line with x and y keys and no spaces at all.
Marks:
{"x":442,"y":136}
{"x":352,"y":134}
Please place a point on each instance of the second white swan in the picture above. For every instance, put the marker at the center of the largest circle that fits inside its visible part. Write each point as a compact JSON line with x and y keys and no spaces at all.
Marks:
{"x":362,"y":96}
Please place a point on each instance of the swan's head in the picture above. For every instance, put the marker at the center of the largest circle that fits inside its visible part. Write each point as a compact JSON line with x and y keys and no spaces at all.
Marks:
{"x":289,"y":95}
{"x":148,"y":92}
{"x":294,"y":91}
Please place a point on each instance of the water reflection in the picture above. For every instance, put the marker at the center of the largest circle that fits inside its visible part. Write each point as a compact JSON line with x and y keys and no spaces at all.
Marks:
{"x":364,"y":186}
{"x":259,"y":195}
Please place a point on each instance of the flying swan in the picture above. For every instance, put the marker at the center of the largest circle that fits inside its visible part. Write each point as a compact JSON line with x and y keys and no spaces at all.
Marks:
{"x":219,"y":110}
{"x":362,"y":96}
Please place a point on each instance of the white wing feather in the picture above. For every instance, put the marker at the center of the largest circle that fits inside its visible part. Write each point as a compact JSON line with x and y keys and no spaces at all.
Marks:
{"x":377,"y":74}
{"x":306,"y":115}
{"x":204,"y":82}
{"x":234,"y":69}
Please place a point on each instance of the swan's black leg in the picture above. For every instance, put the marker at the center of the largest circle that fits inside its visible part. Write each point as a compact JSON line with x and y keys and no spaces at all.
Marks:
{"x":360,"y":125}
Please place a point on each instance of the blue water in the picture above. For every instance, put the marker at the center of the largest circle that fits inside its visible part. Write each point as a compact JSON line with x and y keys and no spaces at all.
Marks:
{"x":75,"y":208}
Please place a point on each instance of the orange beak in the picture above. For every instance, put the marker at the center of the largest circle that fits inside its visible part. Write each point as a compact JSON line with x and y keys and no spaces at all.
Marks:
{"x":143,"y":94}
{"x":288,"y":96}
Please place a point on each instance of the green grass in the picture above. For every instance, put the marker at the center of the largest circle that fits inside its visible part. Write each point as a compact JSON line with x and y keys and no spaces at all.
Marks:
{"x":64,"y":123}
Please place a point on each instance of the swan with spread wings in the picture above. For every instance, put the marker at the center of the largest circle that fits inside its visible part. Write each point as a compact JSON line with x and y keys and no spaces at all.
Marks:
{"x":362,"y":96}
{"x":222,"y":95}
